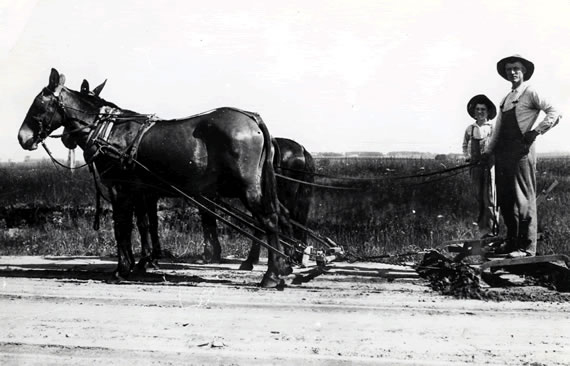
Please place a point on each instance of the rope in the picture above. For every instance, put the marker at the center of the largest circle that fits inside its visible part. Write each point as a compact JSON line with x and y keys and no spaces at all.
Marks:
{"x":384,"y":256}
{"x":315,"y":184}
{"x":463,"y":166}
{"x":433,"y":180}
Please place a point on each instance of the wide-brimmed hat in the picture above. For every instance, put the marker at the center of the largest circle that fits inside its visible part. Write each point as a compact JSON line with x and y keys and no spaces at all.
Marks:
{"x":481,"y":99}
{"x":529,"y":66}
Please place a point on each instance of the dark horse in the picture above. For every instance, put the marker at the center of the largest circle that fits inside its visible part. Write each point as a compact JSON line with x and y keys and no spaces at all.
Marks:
{"x":294,"y":161}
{"x":225,"y":152}
{"x":291,"y":159}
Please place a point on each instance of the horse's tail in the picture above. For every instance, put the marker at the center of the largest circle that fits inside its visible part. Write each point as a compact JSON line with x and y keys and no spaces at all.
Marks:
{"x":268,"y":181}
{"x":304,"y":195}
{"x":276,"y":156}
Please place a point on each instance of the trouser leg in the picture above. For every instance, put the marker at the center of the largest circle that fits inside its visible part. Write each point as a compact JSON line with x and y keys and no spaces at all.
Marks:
{"x":506,"y":188}
{"x":526,"y":203}
{"x":489,"y":197}
{"x":479,"y":179}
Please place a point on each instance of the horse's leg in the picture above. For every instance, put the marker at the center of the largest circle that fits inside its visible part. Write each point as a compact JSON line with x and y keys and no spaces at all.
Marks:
{"x":123,"y":225}
{"x":212,"y":247}
{"x":142,"y":217}
{"x":253,"y":257}
{"x":277,"y":265}
{"x":152,"y":211}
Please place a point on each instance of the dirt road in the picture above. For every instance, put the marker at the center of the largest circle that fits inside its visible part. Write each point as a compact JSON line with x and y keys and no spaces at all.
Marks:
{"x":60,"y":311}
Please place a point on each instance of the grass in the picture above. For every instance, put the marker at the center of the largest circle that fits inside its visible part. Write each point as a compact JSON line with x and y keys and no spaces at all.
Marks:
{"x":45,"y":210}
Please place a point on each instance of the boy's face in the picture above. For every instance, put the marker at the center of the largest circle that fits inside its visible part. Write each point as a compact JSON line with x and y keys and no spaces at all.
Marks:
{"x":481,"y":112}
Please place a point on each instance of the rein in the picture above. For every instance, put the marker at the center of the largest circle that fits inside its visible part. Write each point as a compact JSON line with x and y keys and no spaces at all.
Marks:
{"x":314,"y":184}
{"x":72,"y":131}
{"x":55,"y":161}
{"x":438,"y":172}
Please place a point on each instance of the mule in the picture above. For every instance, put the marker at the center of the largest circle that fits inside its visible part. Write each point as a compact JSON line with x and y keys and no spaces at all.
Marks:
{"x":225,"y":152}
{"x":294,"y":161}
{"x":145,"y":206}
{"x":291,"y":159}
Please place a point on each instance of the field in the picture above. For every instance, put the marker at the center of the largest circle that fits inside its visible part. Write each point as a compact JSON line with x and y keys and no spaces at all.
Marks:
{"x":60,"y":309}
{"x":46,"y":210}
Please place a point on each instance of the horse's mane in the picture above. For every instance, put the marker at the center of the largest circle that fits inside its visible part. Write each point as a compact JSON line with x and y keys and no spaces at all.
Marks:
{"x":97,"y":102}
{"x":94,"y":100}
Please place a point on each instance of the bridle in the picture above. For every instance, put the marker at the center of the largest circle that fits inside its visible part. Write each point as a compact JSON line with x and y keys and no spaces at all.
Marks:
{"x":45,"y":126}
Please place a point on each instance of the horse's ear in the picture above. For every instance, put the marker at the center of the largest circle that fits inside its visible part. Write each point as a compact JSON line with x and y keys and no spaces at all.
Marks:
{"x":98,"y":89}
{"x":53,"y":80}
{"x":60,"y":85}
{"x":85,"y":87}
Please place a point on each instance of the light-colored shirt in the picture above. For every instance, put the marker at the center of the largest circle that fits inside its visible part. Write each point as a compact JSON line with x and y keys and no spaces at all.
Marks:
{"x":476,"y":132}
{"x":528,"y":105}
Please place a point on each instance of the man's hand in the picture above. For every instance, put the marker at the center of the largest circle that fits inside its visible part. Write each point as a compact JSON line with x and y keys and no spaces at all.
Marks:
{"x":529,"y":137}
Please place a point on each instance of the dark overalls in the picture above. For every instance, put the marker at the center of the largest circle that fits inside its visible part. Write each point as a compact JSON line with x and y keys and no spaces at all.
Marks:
{"x":483,"y":180}
{"x":515,"y":167}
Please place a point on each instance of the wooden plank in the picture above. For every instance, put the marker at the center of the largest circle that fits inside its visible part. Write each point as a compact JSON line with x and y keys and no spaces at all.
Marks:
{"x":525,"y":260}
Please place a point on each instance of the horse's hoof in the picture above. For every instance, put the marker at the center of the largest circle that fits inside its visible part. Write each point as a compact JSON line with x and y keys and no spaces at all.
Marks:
{"x":139,"y":269}
{"x":246,"y":266}
{"x":271,"y":280}
{"x":141,"y":266}
{"x":209,"y":260}
{"x":116,"y":278}
{"x":286,"y":271}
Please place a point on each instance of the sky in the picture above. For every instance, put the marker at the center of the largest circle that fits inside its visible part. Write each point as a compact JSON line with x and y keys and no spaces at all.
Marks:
{"x":354,"y":75}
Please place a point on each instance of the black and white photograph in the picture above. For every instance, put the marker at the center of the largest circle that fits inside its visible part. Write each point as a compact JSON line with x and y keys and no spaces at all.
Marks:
{"x":324,"y":182}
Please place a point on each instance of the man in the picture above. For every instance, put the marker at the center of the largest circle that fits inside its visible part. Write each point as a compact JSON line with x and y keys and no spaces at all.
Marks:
{"x":515,"y":158}
{"x":476,"y":138}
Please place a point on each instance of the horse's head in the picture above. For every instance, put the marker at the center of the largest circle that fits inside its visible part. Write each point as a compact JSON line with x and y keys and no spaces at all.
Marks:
{"x":45,"y":115}
{"x":67,"y":137}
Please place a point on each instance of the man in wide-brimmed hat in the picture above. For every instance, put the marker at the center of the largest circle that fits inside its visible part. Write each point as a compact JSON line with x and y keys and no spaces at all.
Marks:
{"x":475,"y":139}
{"x":512,"y":144}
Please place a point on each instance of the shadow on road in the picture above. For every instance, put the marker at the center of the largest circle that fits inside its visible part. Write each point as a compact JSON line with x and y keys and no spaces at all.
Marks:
{"x":76,"y":268}
{"x":104,"y":271}
{"x":347,"y":273}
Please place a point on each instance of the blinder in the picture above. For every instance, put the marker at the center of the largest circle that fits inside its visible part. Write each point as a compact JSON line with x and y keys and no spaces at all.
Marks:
{"x":45,"y":124}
